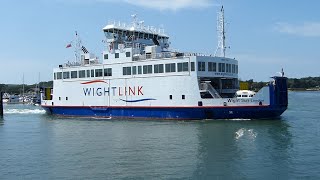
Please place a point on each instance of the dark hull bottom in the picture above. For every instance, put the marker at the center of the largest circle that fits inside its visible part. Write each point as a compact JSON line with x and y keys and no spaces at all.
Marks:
{"x":180,"y":113}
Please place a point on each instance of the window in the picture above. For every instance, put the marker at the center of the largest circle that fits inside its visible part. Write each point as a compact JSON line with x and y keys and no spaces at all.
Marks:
{"x":183,"y":97}
{"x":192,"y":66}
{"x":222,"y":67}
{"x":170,"y":96}
{"x":127,"y":54}
{"x":116,"y":55}
{"x":212,"y":66}
{"x":237,"y":69}
{"x":126,"y":70}
{"x":59,"y":98}
{"x":183,"y":67}
{"x":171,"y":67}
{"x":105,"y":56}
{"x":59,"y":75}
{"x":74,"y":74}
{"x":147,"y":69}
{"x":134,"y":70}
{"x":98,"y":73}
{"x":82,"y":74}
{"x":107,"y":72}
{"x":66,"y":75}
{"x":201,"y":66}
{"x":233,"y":68}
{"x":66,"y":98}
{"x":54,"y":76}
{"x":139,"y":70}
{"x":92,"y":72}
{"x":158,"y":68}
{"x":88,"y":73}
{"x":228,"y":68}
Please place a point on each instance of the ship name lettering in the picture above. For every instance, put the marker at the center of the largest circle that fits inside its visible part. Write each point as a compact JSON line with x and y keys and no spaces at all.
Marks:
{"x":106,"y":91}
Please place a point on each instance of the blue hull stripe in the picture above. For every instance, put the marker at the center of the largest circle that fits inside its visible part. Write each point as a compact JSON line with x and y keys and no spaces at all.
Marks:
{"x":253,"y":112}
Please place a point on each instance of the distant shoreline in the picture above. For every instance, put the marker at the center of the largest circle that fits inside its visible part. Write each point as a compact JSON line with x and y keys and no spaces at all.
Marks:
{"x":302,"y":89}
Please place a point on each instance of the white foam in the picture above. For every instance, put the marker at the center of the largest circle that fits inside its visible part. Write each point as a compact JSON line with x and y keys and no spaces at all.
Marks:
{"x":250,"y":133}
{"x":24,"y":111}
{"x":240,"y":133}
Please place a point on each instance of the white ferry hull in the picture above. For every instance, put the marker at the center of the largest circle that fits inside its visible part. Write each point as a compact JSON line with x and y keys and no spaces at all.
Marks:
{"x":278,"y":101}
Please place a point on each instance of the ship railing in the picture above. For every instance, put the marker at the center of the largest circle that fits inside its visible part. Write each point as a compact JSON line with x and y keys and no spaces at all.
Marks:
{"x":162,"y":55}
{"x":83,"y":63}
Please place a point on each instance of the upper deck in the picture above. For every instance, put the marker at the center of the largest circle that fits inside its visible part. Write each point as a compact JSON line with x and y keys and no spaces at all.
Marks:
{"x":134,"y":44}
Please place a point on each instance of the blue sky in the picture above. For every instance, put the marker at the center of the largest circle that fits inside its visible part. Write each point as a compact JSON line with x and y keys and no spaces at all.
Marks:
{"x":264,"y":36}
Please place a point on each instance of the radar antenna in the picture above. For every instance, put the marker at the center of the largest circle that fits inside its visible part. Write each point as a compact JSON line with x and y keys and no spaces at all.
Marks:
{"x":221,"y":34}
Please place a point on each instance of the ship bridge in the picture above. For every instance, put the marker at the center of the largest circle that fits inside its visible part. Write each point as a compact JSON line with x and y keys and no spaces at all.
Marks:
{"x":134,"y":35}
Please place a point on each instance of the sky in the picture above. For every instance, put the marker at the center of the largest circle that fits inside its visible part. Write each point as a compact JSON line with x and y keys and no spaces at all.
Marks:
{"x":264,"y":36}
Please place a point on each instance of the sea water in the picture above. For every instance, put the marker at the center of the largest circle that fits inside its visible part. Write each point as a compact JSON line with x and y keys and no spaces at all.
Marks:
{"x":34,"y":145}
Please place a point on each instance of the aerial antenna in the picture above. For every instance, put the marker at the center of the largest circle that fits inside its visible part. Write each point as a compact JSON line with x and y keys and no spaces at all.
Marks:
{"x":221,"y":34}
{"x":134,"y":19}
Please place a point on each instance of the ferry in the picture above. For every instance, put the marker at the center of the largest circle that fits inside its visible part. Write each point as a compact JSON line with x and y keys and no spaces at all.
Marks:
{"x":141,"y":77}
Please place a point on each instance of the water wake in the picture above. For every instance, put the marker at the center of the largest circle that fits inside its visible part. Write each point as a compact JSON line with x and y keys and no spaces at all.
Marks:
{"x":250,"y":133}
{"x":24,"y":111}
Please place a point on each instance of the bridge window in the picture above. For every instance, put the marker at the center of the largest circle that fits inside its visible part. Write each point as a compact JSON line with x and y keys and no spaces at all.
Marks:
{"x":183,"y":67}
{"x":126,"y":70}
{"x":127,"y":54}
{"x":54,"y":76}
{"x":82,"y":74}
{"x":212,"y":66}
{"x":158,"y":68}
{"x":222,"y":67}
{"x":105,"y":56}
{"x":59,"y":75}
{"x":98,"y":72}
{"x":233,"y":68}
{"x":74,"y":74}
{"x":236,"y":69}
{"x":107,"y":72}
{"x":201,"y":66}
{"x":66,"y":75}
{"x":147,"y":69}
{"x":92,"y":72}
{"x":171,"y":67}
{"x":228,"y":68}
{"x":116,"y":55}
{"x":192,"y":66}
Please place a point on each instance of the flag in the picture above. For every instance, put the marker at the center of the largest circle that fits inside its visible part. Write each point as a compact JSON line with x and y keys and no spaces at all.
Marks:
{"x":84,"y":50}
{"x":68,"y":46}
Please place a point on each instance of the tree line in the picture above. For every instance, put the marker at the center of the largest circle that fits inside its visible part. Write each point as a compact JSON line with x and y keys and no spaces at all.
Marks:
{"x":293,"y":83}
{"x":18,"y":88}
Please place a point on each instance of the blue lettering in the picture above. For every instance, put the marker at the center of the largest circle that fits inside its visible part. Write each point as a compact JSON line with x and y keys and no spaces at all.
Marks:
{"x":87,"y":91}
{"x":99,"y":92}
{"x":106,"y":91}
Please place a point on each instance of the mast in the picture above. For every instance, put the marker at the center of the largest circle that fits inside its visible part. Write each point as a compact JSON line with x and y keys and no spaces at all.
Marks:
{"x":221,"y":34}
{"x":77,"y":48}
{"x":23,"y":88}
